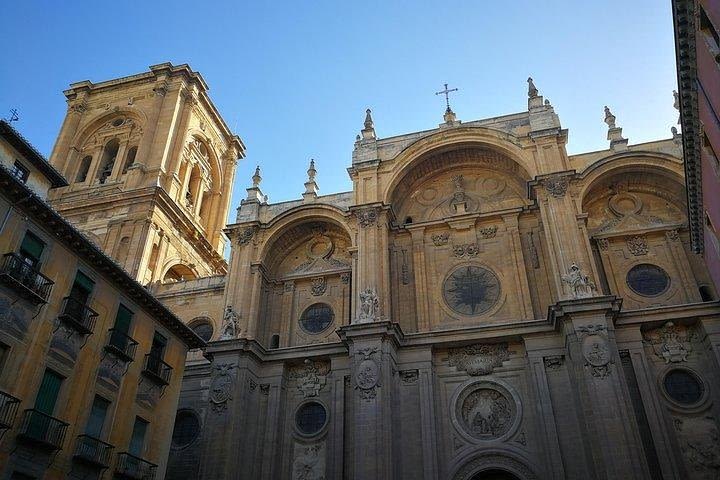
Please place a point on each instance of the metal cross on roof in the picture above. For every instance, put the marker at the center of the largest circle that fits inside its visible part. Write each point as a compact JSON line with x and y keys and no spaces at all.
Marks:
{"x":446,"y":92}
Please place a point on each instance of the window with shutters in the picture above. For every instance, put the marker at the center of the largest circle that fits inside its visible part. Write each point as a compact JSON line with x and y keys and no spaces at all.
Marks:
{"x":137,"y":441}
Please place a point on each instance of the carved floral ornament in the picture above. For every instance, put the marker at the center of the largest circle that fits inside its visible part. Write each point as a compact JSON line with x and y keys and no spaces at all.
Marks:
{"x":246,"y":235}
{"x":367,"y":217}
{"x":557,"y":185}
{"x":440,"y":239}
{"x":672,"y":343}
{"x":318,"y":286}
{"x":637,"y":245}
{"x":478,"y":359}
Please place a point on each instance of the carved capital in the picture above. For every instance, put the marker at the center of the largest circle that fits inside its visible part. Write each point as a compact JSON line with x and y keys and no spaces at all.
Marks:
{"x":367,"y":217}
{"x":556,"y":185}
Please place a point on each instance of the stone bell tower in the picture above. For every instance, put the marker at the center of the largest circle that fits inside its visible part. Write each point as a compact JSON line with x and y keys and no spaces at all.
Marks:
{"x":150,"y":163}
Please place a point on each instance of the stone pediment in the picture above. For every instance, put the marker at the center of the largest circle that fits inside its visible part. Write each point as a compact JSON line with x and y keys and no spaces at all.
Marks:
{"x":633,"y":223}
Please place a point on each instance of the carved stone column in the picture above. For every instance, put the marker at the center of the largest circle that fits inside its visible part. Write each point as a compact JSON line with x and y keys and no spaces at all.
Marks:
{"x":420,"y":269}
{"x":240,"y":281}
{"x":373,"y":259}
{"x":373,"y":350}
{"x":564,"y":238}
{"x":596,"y":376}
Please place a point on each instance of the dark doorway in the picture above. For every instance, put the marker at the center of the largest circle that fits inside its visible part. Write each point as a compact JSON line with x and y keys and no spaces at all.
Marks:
{"x":495,"y":475}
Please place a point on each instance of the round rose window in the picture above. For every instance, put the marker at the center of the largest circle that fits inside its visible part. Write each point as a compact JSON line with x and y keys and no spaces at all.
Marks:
{"x":471,"y":290}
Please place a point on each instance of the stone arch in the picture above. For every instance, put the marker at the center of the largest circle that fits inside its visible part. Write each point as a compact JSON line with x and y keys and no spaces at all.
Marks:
{"x":299,"y":215}
{"x":177,"y":272}
{"x":493,"y":461}
{"x":504,"y":144}
{"x":92,"y":126}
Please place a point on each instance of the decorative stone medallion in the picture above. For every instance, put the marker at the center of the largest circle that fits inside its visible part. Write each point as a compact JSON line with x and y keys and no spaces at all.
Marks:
{"x":471,"y":290}
{"x":318,"y":286}
{"x":368,"y":375}
{"x":595,"y":350}
{"x":479,"y":359}
{"x":556,"y":185}
{"x":440,"y":239}
{"x":637,"y":245}
{"x":672,"y":343}
{"x":367,"y":217}
{"x":310,"y":377}
{"x":486,"y":411}
{"x":221,"y":386}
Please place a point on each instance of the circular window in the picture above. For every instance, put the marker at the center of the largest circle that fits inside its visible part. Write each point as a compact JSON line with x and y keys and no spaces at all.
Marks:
{"x":117,"y":122}
{"x":316,"y":318}
{"x":203,"y":329}
{"x":648,"y":280}
{"x":471,"y":290}
{"x":187,"y":428}
{"x":683,"y":387}
{"x":485,"y":411}
{"x":310,"y":418}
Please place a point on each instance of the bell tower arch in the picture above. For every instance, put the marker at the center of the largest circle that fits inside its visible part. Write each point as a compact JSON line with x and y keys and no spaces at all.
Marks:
{"x":151,"y":165}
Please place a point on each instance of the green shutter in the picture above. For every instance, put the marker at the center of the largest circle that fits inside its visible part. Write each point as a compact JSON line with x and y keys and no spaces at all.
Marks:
{"x":138,"y":437}
{"x":96,"y":421}
{"x":123,"y":319}
{"x":83,"y":282}
{"x":48,"y":392}
{"x":32,"y":247}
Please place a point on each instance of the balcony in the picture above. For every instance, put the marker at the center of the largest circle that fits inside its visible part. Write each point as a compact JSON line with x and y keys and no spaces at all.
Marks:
{"x":134,"y":468}
{"x":24,"y":279}
{"x":42,"y":430}
{"x":156,"y":369}
{"x":121,"y":345}
{"x":8,"y":410}
{"x":79,"y":316}
{"x":92,"y":451}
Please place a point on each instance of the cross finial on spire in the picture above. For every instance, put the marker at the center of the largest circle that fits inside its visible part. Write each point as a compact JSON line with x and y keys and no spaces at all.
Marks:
{"x":447,"y":93}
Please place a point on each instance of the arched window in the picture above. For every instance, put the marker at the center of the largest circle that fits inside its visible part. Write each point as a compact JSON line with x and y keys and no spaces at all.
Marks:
{"x":178,"y":273}
{"x":203,"y":328}
{"x":129,"y":159}
{"x":83,"y":170}
{"x":108,"y":160}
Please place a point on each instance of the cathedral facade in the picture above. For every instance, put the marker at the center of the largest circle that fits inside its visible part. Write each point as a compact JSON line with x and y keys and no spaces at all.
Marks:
{"x":480,"y":305}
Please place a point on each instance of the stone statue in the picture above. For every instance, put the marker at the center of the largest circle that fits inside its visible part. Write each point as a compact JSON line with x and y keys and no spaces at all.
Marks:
{"x":369,"y":306}
{"x":580,"y":284}
{"x":230,"y":324}
{"x":532,"y":90}
{"x":609,"y":118}
{"x":676,"y":103}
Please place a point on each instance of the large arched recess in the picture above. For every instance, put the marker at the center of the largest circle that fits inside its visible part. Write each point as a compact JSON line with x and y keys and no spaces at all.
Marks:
{"x":502,"y":143}
{"x":660,"y":164}
{"x":303,"y":214}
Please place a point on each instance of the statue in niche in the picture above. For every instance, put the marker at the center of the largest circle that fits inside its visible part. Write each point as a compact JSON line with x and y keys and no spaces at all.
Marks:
{"x":230,"y":324}
{"x":369,"y":306}
{"x":580,"y":284}
{"x":459,"y":199}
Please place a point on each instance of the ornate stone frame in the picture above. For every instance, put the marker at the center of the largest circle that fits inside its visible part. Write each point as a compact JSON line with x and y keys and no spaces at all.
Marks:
{"x":696,"y":407}
{"x":491,"y":460}
{"x":473,"y":263}
{"x":322,"y":431}
{"x":497,"y":384}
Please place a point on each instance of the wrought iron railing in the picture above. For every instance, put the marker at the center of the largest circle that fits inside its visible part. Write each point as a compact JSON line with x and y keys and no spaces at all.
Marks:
{"x":42,"y":429}
{"x":20,"y":273}
{"x":135,"y":468}
{"x":92,"y":450}
{"x":8,"y":410}
{"x":79,"y":315}
{"x":156,"y":368}
{"x":121,"y":344}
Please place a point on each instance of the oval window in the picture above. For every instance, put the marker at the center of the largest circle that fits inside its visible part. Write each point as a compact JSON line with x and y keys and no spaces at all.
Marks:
{"x":683,"y":387}
{"x":187,"y":428}
{"x":316,"y":318}
{"x":310,"y":418}
{"x":202,"y":329}
{"x":648,"y":280}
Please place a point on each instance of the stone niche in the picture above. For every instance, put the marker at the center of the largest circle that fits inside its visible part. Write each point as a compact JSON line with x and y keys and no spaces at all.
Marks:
{"x":306,"y":290}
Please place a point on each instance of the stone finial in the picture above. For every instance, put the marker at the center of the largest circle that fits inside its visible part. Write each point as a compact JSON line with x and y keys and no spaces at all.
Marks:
{"x":254,"y":192}
{"x":617,"y":141}
{"x":368,"y":131}
{"x":532,"y":89}
{"x":676,"y":103}
{"x":609,"y":117}
{"x":311,"y":187}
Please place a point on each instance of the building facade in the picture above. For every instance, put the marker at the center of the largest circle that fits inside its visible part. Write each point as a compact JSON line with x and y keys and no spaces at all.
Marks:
{"x":481,"y":305}
{"x":90,"y":362}
{"x":150,"y":164}
{"x":697,"y":46}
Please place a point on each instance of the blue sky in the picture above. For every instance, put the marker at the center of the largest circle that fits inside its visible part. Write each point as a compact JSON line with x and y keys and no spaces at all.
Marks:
{"x":293,"y":79}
